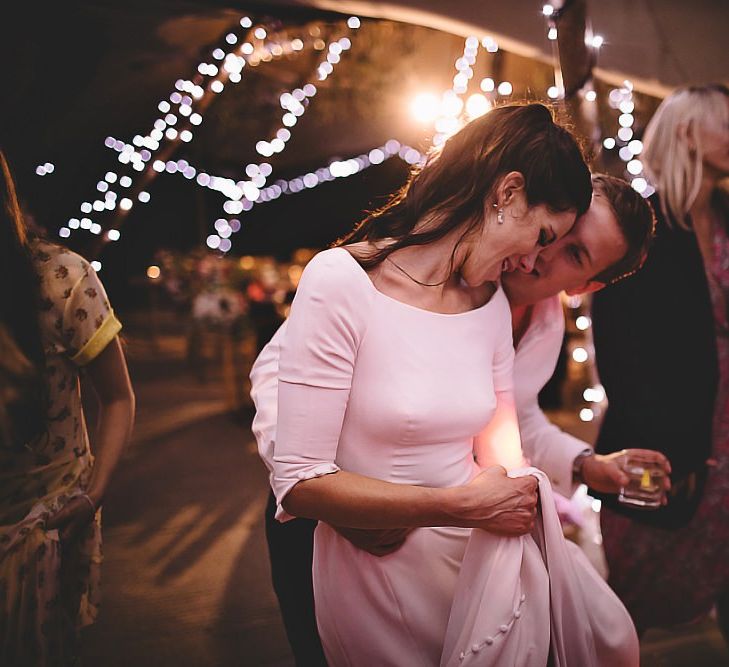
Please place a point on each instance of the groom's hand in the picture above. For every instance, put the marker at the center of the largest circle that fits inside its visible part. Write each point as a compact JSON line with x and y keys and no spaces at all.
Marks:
{"x":373,"y":541}
{"x":604,"y":474}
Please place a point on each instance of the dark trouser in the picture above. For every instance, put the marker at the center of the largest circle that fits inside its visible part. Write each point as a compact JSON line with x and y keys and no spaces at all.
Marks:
{"x":291,"y":550}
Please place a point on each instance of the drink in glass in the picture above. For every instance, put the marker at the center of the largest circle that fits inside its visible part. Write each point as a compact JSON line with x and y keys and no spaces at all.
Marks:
{"x":645,"y":487}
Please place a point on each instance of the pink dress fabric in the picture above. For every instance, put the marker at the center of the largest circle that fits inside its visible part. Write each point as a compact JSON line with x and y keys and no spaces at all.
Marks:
{"x":375,"y":386}
{"x":535,"y":600}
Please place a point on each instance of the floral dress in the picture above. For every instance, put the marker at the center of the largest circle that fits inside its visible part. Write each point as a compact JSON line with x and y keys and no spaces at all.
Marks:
{"x":694,"y":560}
{"x":49,"y":590}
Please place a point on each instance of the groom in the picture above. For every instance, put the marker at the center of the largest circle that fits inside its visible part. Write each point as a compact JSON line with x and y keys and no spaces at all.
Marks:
{"x":607,"y":243}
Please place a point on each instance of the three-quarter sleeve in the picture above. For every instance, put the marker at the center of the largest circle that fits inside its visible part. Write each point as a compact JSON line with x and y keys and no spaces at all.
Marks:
{"x":318,"y":351}
{"x":503,"y":369}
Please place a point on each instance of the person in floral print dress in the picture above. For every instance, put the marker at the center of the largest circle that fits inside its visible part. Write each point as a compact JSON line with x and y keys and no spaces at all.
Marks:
{"x":56,"y":321}
{"x":662,"y":348}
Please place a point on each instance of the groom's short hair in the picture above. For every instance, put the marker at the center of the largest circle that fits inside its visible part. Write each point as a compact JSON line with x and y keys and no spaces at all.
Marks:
{"x":636,"y":220}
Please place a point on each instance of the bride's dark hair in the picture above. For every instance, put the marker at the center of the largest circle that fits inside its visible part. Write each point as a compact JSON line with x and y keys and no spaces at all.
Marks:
{"x":19,"y":316}
{"x":458,"y":178}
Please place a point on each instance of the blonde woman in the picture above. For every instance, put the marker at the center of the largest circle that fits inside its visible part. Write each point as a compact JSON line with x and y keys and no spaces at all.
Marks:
{"x":662,"y":344}
{"x":56,"y":320}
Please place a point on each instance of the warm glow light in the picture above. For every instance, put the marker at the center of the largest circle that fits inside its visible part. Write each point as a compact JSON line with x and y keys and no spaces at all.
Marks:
{"x":583,"y":322}
{"x":505,"y":88}
{"x":477,"y":105}
{"x":451,"y":105}
{"x":579,"y":354}
{"x":594,"y":394}
{"x":627,"y":106}
{"x":489,"y":43}
{"x":153,"y":272}
{"x":424,"y":107}
{"x":639,"y":184}
{"x":587,"y":415}
{"x":635,"y":146}
{"x":634,"y":167}
{"x":626,"y":119}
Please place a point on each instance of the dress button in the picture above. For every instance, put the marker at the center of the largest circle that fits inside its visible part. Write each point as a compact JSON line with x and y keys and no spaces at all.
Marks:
{"x":523,"y":597}
{"x":504,"y":628}
{"x":517,"y":614}
{"x":463,"y":655}
{"x":489,"y":640}
{"x":475,"y":648}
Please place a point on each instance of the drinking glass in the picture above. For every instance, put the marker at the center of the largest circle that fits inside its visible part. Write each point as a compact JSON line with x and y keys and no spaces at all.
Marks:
{"x":645,"y":487}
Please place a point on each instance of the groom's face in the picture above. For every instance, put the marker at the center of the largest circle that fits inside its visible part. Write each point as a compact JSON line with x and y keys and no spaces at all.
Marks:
{"x":591,"y":246}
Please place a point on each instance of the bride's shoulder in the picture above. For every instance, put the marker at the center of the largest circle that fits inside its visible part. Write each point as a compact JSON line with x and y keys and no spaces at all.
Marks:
{"x":334,"y":269}
{"x":364,"y":250}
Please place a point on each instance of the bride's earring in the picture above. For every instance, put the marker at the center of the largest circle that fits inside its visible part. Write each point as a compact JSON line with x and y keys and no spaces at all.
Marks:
{"x":499,"y":214}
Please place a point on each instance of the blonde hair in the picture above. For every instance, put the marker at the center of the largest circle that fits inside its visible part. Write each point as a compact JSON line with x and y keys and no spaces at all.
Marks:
{"x":673,"y":166}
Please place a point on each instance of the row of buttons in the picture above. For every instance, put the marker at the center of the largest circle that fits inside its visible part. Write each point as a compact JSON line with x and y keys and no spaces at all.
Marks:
{"x":502,"y":629}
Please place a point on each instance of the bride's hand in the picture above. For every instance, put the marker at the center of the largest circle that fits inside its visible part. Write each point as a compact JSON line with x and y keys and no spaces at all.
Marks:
{"x":497,"y":503}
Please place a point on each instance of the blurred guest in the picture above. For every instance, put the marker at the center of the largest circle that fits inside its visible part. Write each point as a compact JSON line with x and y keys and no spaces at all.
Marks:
{"x":662,"y":344}
{"x":57,"y":320}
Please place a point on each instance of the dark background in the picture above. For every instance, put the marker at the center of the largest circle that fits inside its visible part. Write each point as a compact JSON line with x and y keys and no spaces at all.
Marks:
{"x":74,"y":74}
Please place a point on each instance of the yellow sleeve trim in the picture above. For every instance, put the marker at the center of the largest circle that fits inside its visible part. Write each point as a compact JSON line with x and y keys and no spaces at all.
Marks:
{"x":101,"y":338}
